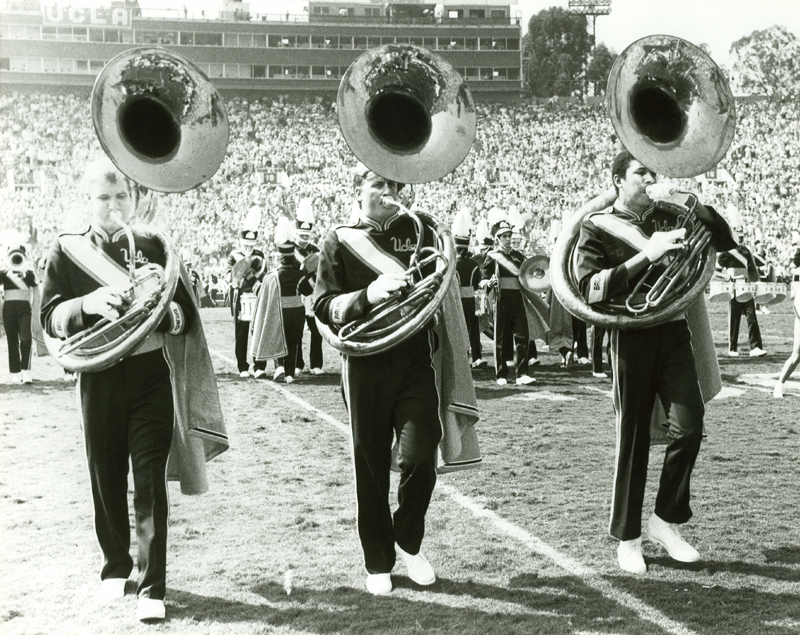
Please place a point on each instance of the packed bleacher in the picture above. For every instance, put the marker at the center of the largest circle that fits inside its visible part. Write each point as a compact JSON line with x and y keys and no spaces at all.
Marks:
{"x":547,"y":159}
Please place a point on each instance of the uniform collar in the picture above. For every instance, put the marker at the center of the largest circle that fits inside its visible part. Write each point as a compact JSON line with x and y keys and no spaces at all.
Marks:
{"x":103,"y":234}
{"x":381,"y":227}
{"x":628,"y":212}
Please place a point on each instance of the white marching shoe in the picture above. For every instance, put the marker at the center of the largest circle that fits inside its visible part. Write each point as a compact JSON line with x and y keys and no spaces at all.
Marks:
{"x":777,"y":392}
{"x":629,"y":556}
{"x":754,"y":352}
{"x":279,"y":374}
{"x":26,"y":377}
{"x":667,"y":535}
{"x":502,"y":381}
{"x":379,"y":583}
{"x":111,"y":589}
{"x":524,"y":380}
{"x":149,"y":609}
{"x":419,"y":569}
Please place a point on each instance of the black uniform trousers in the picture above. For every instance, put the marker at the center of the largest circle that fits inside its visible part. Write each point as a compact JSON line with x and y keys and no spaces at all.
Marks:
{"x":510,"y":322}
{"x":293,"y":321}
{"x":579,"y":336}
{"x":735,"y":318}
{"x":646,"y":363}
{"x":128,"y":412}
{"x":598,"y":334}
{"x":393,"y":394}
{"x":315,"y":348}
{"x":17,"y":322}
{"x":473,"y":327}
{"x":242,"y":335}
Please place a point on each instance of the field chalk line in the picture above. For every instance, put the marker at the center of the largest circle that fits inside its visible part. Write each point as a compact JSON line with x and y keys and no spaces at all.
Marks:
{"x":589,"y":576}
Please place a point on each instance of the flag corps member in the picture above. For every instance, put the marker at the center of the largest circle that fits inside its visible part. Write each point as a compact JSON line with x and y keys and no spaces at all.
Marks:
{"x":396,"y":392}
{"x":280,"y":315}
{"x":159,"y":403}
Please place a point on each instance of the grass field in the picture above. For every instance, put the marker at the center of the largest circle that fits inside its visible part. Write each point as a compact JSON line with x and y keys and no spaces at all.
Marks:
{"x":520,"y":545}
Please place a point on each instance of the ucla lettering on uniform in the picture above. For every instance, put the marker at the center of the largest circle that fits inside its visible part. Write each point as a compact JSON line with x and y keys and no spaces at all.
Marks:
{"x":399,"y":245}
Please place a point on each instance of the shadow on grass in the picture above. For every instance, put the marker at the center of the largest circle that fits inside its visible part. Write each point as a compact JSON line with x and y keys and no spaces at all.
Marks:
{"x":716,"y":609}
{"x":530,"y":605}
{"x":789,"y":554}
{"x":38,"y":387}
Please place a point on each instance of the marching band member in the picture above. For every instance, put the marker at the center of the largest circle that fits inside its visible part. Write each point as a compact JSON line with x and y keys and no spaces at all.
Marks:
{"x":19,"y":284}
{"x":500,"y":271}
{"x":483,"y":234}
{"x":741,"y":264}
{"x":469,"y":275}
{"x":391,"y":393}
{"x":279,"y":314}
{"x":162,"y":396}
{"x":303,"y":248}
{"x":244,"y":287}
{"x":614,"y":249}
{"x":794,"y":358}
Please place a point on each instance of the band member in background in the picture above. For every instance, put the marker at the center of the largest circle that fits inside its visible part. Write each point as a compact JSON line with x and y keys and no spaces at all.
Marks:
{"x":741,"y":264}
{"x":483,"y":235}
{"x":19,"y":283}
{"x":794,"y":358}
{"x":469,"y":275}
{"x":128,"y":410}
{"x":243,"y":283}
{"x":613,"y":251}
{"x":388,"y":394}
{"x":303,"y":248}
{"x":285,"y":287}
{"x":500,"y":270}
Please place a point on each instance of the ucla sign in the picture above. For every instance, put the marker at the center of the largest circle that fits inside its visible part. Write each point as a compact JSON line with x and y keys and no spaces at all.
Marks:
{"x":96,"y":16}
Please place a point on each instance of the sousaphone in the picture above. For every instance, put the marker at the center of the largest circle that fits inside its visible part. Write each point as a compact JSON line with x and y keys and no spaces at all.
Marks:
{"x":163,"y":124}
{"x":408,"y":116}
{"x":673,"y":110}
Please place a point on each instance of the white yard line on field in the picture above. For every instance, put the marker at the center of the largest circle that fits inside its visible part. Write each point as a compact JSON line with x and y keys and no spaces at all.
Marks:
{"x":589,"y":576}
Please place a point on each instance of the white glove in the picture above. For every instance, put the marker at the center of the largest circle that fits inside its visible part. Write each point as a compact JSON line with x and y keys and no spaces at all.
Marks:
{"x":384,"y":286}
{"x":106,"y":302}
{"x":662,"y":242}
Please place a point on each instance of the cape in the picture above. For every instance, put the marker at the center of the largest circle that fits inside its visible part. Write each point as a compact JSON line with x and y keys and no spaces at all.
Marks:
{"x":267,"y":338}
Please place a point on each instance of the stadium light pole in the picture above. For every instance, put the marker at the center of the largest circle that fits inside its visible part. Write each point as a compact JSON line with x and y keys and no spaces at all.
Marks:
{"x":591,"y":8}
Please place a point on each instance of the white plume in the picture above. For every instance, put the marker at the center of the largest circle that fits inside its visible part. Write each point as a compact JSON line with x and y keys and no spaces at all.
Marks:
{"x":483,"y":232}
{"x":305,"y":213}
{"x":253,"y":219}
{"x":496,"y":215}
{"x":283,"y":231}
{"x":462,"y":223}
{"x":515,"y":218}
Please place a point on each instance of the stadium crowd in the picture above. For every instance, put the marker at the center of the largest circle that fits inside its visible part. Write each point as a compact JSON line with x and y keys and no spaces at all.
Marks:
{"x":547,"y":159}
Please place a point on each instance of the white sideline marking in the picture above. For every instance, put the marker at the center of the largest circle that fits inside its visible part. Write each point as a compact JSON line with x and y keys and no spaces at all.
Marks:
{"x":729,"y":391}
{"x":602,"y":391}
{"x":545,"y":395}
{"x":589,"y":576}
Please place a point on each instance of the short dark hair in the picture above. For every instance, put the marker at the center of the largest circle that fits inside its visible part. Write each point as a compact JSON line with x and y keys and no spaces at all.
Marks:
{"x":621,"y":164}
